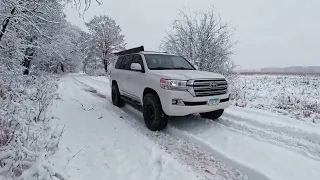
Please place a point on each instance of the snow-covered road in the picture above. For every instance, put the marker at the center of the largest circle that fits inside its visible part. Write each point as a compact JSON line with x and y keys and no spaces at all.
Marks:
{"x":104,"y":142}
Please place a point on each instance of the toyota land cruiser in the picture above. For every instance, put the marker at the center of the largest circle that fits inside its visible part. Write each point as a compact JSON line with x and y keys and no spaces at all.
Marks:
{"x":166,"y":85}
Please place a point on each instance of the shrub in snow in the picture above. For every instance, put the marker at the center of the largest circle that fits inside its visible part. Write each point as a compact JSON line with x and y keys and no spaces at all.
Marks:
{"x":26,"y":137}
{"x":296,"y":96}
{"x":34,"y":37}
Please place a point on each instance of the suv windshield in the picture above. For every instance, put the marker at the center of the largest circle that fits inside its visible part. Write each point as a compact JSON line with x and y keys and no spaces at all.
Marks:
{"x":164,"y":61}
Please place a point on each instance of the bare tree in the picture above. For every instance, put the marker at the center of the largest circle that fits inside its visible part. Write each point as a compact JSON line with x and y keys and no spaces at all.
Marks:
{"x":83,"y":3}
{"x":204,"y":39}
{"x":105,"y":38}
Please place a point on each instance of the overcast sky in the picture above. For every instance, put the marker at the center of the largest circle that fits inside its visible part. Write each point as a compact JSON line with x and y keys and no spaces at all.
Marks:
{"x":270,"y":32}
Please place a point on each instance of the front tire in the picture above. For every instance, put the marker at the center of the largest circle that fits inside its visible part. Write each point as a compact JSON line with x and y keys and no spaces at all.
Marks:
{"x":153,"y":115}
{"x":116,"y":96}
{"x":212,"y":115}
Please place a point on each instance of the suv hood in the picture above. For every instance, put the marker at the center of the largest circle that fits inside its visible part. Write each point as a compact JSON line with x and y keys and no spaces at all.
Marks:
{"x":186,"y":74}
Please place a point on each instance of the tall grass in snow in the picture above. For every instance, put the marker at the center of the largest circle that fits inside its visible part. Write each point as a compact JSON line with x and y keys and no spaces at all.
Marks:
{"x":295,"y":96}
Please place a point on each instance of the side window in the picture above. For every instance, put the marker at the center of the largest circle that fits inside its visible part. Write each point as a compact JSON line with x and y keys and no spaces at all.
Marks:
{"x":118,"y":63}
{"x":138,"y":59}
{"x":126,"y":62}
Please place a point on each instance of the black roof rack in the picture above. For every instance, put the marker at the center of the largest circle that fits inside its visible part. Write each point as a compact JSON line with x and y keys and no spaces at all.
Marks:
{"x":130,"y":51}
{"x":157,"y":52}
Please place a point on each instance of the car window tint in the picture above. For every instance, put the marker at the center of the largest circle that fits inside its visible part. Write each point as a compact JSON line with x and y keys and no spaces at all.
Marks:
{"x":138,"y":59}
{"x":126,"y":62}
{"x":119,"y":61}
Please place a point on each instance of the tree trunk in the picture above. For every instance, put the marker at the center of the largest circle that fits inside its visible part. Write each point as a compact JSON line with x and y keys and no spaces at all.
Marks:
{"x":62,"y":67}
{"x":104,"y":53}
{"x":106,"y":65}
{"x":6,"y":23}
{"x":28,"y":57}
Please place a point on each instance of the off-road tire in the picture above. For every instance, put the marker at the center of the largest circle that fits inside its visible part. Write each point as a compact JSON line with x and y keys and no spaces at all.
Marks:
{"x":116,"y":96}
{"x":154,"y":117}
{"x":212,"y":115}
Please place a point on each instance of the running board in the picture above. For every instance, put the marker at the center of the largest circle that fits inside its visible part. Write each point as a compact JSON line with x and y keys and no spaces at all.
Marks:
{"x":137,"y":105}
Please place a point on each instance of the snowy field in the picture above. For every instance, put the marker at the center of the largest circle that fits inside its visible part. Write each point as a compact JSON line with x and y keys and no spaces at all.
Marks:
{"x":295,"y":96}
{"x":102,"y":141}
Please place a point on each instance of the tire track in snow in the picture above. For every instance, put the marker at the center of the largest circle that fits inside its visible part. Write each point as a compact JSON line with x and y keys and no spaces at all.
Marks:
{"x":157,"y":165}
{"x":293,"y":138}
{"x":302,"y":143}
{"x":192,"y":155}
{"x":294,"y":132}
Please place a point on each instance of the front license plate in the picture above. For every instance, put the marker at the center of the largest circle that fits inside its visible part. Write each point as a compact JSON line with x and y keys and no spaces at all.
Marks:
{"x":213,"y":102}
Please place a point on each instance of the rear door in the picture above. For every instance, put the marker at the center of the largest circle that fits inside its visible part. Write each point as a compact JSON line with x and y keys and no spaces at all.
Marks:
{"x":123,"y":74}
{"x":115,"y":72}
{"x":136,"y":78}
{"x":131,"y":80}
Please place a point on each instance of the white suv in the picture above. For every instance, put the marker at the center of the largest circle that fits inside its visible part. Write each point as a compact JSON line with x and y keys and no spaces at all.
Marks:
{"x":166,"y":85}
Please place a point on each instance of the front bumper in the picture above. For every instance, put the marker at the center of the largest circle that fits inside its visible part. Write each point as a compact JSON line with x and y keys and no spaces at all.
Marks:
{"x":183,"y":110}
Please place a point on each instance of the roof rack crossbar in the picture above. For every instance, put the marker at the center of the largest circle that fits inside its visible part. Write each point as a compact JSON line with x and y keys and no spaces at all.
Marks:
{"x":157,"y":52}
{"x":130,"y":51}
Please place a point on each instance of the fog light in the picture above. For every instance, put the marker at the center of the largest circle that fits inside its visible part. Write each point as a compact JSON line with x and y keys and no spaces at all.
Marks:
{"x":177,"y":102}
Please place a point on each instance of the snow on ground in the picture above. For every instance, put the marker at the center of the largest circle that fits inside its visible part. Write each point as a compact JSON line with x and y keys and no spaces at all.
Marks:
{"x":295,"y":96}
{"x":97,"y":144}
{"x":103,"y":142}
{"x":277,"y":154}
{"x":258,"y":143}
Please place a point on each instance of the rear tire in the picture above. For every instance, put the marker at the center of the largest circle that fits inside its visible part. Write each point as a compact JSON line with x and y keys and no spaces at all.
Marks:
{"x":116,"y":96}
{"x":153,"y":115}
{"x":212,"y":115}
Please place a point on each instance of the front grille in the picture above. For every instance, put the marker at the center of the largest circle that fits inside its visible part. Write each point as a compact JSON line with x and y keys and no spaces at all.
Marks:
{"x":210,"y":87}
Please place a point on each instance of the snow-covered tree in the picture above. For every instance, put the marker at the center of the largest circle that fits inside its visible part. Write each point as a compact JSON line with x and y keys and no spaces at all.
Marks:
{"x":37,"y":33}
{"x":24,"y":23}
{"x":204,"y":39}
{"x":32,"y":32}
{"x":60,"y":53}
{"x":105,"y":39}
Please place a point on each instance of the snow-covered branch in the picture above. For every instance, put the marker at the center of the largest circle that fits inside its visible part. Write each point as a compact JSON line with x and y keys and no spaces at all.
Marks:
{"x":204,"y":39}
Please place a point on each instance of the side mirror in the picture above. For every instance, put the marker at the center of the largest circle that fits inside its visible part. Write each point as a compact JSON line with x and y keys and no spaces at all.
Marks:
{"x":195,"y":66}
{"x":136,"y":67}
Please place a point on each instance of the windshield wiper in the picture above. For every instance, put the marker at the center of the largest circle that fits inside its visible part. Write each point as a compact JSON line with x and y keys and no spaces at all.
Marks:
{"x":165,"y":68}
{"x":160,"y":68}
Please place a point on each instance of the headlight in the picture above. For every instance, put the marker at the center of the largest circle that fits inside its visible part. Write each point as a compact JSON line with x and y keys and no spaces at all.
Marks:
{"x":177,"y":85}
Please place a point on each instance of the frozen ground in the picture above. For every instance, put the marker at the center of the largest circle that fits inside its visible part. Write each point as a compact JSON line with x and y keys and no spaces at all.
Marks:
{"x":105,"y":142}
